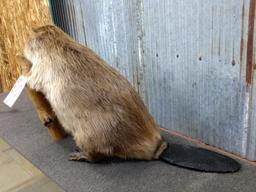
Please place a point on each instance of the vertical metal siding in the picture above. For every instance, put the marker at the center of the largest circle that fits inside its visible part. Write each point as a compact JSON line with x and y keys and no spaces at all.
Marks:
{"x":187,"y":59}
{"x":193,"y":62}
{"x":111,"y":33}
{"x":251,"y":58}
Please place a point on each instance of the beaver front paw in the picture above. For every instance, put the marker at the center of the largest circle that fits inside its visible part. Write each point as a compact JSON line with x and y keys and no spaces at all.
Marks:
{"x":46,"y":118}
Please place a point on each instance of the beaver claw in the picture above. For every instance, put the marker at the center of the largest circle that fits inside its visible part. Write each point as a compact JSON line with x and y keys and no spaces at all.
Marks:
{"x":48,"y":121}
{"x":47,"y":118}
{"x":77,"y":156}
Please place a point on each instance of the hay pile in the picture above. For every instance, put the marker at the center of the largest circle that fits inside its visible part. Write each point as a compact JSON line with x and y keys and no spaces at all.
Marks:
{"x":17,"y":17}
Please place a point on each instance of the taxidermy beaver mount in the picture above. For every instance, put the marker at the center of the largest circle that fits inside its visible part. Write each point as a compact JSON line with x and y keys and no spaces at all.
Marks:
{"x":98,"y":106}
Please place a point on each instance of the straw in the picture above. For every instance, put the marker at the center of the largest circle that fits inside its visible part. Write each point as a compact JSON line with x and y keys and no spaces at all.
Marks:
{"x":16,"y":20}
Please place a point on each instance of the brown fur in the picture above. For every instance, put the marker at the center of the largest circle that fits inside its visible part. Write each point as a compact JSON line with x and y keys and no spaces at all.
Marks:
{"x":93,"y":102}
{"x":46,"y":114}
{"x":42,"y":106}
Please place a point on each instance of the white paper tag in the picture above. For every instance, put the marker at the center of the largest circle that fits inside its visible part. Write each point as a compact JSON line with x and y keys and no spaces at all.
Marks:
{"x":15,"y":91}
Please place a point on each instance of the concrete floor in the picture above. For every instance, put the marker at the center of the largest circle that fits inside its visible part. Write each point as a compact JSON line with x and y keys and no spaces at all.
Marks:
{"x":19,"y":175}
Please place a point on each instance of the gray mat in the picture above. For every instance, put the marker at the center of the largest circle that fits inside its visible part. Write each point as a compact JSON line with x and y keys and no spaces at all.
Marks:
{"x":21,"y":128}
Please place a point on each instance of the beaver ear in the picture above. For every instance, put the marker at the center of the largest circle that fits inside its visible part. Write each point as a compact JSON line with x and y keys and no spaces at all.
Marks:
{"x":24,"y":64}
{"x":43,"y":28}
{"x":34,"y":29}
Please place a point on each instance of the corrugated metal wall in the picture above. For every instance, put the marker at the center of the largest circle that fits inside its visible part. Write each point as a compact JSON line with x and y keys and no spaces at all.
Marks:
{"x":188,"y":59}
